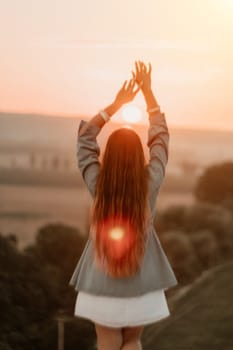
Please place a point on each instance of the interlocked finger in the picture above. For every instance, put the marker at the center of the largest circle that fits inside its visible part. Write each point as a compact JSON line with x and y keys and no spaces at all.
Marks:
{"x":124,"y":85}
{"x":137,"y":68}
{"x":137,"y":89}
{"x":143,"y":66}
{"x":149,"y":71}
{"x":130,"y":85}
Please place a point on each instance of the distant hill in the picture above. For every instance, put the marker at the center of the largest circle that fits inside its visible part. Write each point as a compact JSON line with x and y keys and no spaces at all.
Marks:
{"x":201,"y":319}
{"x":40,"y":132}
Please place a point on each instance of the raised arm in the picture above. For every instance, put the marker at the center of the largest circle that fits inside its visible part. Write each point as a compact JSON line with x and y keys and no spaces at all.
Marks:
{"x":158,"y":142}
{"x":158,"y":135}
{"x":158,"y":138}
{"x":88,"y":150}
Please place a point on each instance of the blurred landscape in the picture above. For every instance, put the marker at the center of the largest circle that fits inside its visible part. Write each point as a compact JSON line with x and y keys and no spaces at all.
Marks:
{"x":60,"y":57}
{"x":201,"y":317}
{"x":44,"y":215}
{"x":40,"y":180}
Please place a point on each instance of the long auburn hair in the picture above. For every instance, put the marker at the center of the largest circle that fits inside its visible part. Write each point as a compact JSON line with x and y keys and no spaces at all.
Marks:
{"x":120,"y":209}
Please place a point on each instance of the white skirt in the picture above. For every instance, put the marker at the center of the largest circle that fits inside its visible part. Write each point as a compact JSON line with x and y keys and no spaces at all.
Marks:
{"x":122,"y":312}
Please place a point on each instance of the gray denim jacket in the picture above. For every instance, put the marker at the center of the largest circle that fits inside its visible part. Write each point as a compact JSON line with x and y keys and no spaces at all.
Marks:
{"x":155,"y":272}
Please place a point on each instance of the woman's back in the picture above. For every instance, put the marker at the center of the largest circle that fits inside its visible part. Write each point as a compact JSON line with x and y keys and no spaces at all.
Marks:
{"x":155,"y":271}
{"x":119,"y":214}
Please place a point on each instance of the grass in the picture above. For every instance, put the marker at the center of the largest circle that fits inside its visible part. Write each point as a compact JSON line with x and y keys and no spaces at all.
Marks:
{"x":201,"y":319}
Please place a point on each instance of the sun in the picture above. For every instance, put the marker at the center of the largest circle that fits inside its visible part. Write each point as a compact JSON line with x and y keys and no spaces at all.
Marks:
{"x":132,"y":114}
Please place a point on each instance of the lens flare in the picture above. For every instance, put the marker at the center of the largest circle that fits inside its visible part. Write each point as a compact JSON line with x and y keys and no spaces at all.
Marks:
{"x":117,"y":237}
{"x":116,"y":233}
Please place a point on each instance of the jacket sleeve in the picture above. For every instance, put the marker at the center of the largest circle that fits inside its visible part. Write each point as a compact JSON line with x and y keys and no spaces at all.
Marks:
{"x":158,"y":142}
{"x":88,"y":152}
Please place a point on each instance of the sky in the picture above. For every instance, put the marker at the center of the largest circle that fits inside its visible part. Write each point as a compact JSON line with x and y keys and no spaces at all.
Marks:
{"x":67,"y":57}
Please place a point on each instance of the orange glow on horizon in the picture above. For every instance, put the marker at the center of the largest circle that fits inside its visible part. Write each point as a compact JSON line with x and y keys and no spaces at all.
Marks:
{"x":59,"y":66}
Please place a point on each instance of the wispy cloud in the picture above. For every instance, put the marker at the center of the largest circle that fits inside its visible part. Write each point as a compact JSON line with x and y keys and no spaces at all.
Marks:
{"x":146,"y":44}
{"x":169,"y":75}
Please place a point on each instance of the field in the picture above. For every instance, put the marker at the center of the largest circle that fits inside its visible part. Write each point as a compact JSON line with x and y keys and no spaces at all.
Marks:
{"x":33,"y":193}
{"x":201,"y":318}
{"x":23,"y":209}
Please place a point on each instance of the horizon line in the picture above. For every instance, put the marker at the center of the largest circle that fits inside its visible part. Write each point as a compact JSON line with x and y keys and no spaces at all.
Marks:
{"x":86,"y":116}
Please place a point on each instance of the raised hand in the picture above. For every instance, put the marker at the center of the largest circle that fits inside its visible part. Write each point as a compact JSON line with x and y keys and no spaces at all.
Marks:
{"x":142,"y":75}
{"x":127,"y":92}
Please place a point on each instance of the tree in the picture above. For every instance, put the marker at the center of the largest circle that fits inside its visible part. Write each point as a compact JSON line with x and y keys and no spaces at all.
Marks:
{"x":215,"y":185}
{"x":32,"y":160}
{"x":171,"y":217}
{"x":4,"y":346}
{"x":181,"y":254}
{"x":206,"y":247}
{"x":60,"y":245}
{"x":34,"y":286}
{"x":55,"y":162}
{"x":199,"y":217}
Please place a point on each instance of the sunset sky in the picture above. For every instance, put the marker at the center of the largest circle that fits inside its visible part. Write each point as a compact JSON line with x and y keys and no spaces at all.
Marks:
{"x":69,"y":57}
